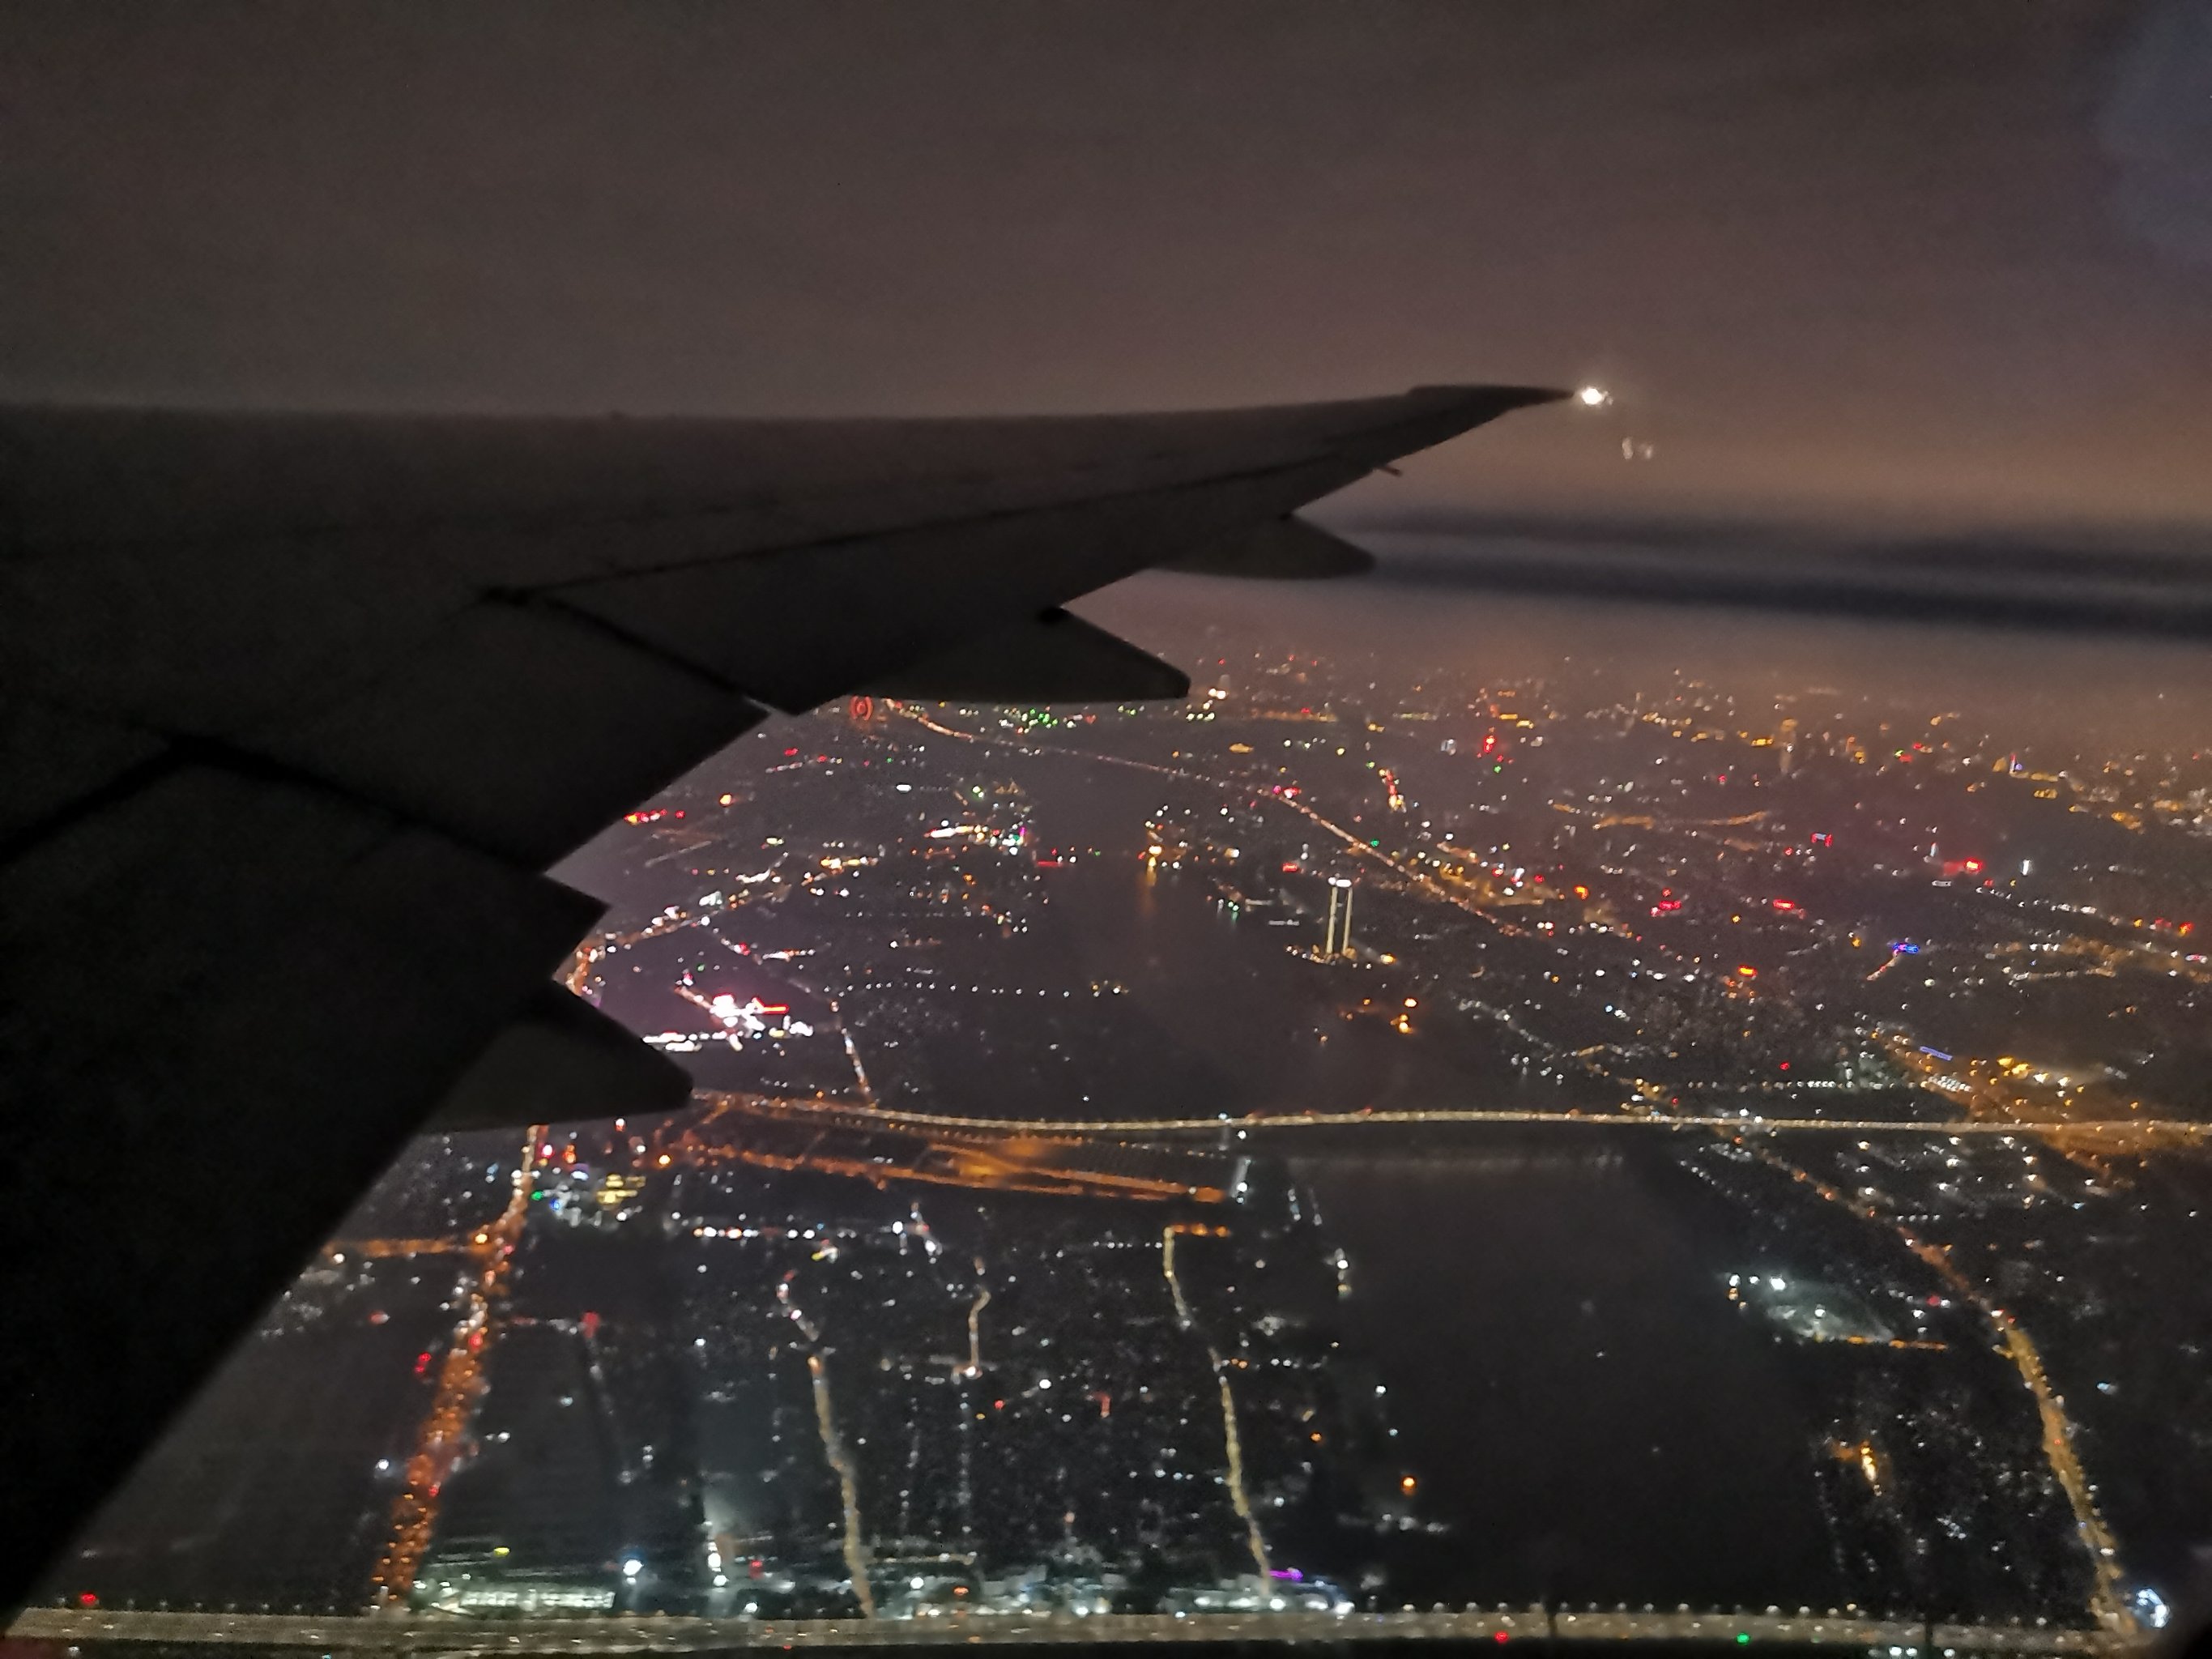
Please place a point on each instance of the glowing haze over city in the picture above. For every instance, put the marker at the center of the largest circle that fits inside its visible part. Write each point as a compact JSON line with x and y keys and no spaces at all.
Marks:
{"x":1640,"y":1070}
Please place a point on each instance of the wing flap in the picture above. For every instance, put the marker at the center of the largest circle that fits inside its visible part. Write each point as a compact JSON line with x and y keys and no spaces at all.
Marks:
{"x":224,"y":1002}
{"x":52,"y":757}
{"x":560,"y":1059}
{"x":521,"y":726}
{"x":1056,"y":657}
{"x":1289,"y":549}
{"x":888,"y":602}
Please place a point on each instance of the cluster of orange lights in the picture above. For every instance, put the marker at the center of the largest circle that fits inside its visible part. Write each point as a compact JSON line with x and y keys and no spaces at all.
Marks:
{"x":460,"y":1385}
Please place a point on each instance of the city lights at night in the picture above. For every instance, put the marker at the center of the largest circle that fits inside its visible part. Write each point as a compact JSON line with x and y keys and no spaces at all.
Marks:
{"x":829,"y":828}
{"x":966,"y":1197}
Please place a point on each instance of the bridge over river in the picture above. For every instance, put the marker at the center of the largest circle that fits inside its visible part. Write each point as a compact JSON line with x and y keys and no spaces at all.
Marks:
{"x":2114,"y":1135}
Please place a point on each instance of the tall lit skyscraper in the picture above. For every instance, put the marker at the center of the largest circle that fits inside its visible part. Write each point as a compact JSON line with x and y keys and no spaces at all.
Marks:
{"x":1337,"y":939}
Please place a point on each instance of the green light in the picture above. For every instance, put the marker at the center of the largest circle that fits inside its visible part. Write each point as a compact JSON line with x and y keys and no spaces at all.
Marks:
{"x":1743,"y":1638}
{"x":537,"y":1194}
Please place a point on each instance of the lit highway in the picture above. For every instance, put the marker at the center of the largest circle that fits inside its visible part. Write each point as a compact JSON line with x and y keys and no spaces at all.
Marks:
{"x":378,"y":1249}
{"x":1989,"y":1091}
{"x":1232,"y":1444}
{"x":2105,"y":1600}
{"x":832,"y":1448}
{"x":460,"y":1386}
{"x":1023,"y":1160}
{"x":2128,"y":1132}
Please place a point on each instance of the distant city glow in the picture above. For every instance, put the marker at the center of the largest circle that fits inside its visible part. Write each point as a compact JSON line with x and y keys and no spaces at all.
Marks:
{"x":1107,"y":1076}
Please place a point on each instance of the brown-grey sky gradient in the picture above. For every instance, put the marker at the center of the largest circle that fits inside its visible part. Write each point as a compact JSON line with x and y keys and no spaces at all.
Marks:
{"x":1882,"y":264}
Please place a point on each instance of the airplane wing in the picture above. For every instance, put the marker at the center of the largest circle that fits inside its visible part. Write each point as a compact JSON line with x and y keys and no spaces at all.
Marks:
{"x":295,"y":710}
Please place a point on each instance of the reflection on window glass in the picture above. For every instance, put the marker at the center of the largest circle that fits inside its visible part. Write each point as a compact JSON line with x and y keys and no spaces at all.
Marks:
{"x":1480,"y":1109}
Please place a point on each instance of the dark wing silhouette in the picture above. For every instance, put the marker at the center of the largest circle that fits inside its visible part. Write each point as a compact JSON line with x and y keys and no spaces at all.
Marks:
{"x":295,"y":710}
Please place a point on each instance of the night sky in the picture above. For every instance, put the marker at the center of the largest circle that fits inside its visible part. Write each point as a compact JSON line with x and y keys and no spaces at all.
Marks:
{"x":1873,"y":270}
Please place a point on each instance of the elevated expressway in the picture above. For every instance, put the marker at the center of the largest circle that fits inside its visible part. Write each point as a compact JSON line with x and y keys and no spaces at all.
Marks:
{"x":2122,"y":1134}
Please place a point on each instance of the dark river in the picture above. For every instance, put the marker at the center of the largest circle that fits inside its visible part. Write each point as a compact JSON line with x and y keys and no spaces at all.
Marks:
{"x":1576,"y":1398}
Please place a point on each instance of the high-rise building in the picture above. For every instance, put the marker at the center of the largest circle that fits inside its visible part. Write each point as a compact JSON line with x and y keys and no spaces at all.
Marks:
{"x":1336,"y":939}
{"x":1787,"y":742}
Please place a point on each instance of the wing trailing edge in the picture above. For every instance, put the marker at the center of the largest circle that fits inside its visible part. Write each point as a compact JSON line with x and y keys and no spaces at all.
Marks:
{"x":1289,"y":549}
{"x":560,"y":1059}
{"x":1054,"y":657}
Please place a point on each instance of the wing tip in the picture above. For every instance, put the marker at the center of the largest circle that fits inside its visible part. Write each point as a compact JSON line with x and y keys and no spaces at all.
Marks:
{"x":1426,"y":416}
{"x":1501,"y":399}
